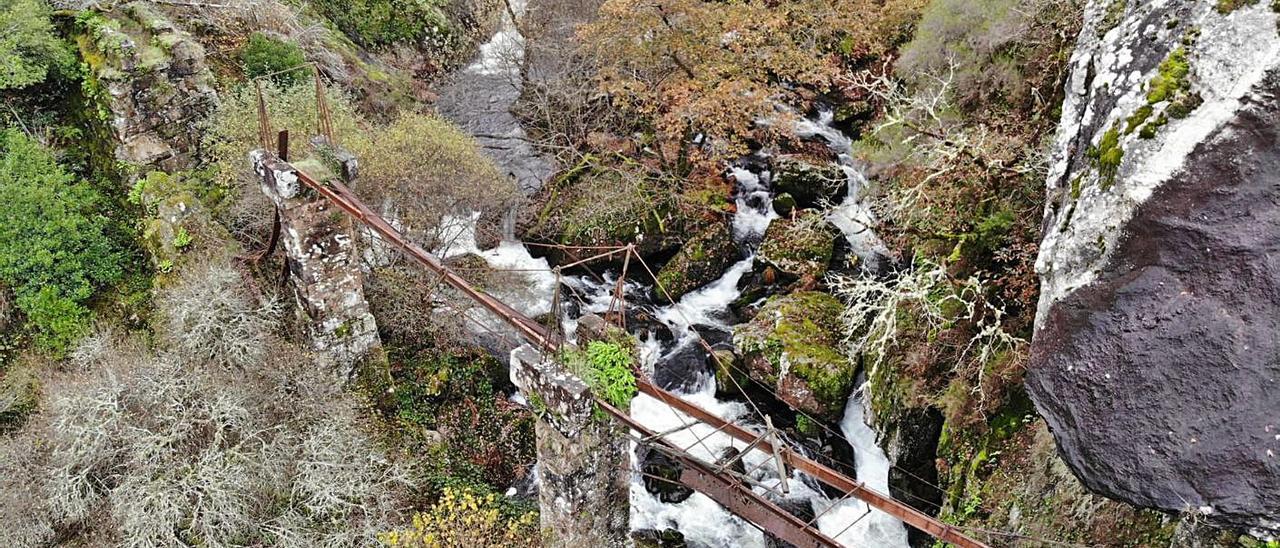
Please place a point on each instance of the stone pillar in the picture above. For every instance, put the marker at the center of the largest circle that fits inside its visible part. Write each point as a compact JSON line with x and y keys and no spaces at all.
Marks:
{"x":323,"y":264}
{"x":584,"y":485}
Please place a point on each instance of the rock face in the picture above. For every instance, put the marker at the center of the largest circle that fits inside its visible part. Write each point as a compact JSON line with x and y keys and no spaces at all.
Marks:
{"x":1155,"y":359}
{"x":153,"y":82}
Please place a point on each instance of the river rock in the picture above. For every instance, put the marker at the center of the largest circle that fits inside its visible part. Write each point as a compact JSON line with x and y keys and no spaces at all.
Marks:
{"x":662,"y":475}
{"x":1155,"y":359}
{"x":701,"y":260}
{"x":590,"y":206}
{"x":809,"y":184}
{"x":792,"y":345}
{"x":799,"y":248}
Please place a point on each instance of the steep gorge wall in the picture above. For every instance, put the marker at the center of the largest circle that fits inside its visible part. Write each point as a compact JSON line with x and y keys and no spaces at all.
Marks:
{"x":1155,"y":359}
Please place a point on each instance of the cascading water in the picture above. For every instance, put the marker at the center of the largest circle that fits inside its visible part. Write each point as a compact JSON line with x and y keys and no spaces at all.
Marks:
{"x":702,"y":521}
{"x":852,"y":216}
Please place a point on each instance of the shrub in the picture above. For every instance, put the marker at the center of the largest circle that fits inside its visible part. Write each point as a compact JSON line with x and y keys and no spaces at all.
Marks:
{"x":212,"y":318}
{"x":464,"y":518}
{"x":1002,"y":51}
{"x":150,"y":451}
{"x":687,"y":67}
{"x":264,"y":55}
{"x":424,"y":168}
{"x":483,"y":438}
{"x":29,"y":49}
{"x":381,"y":23}
{"x":55,"y":244}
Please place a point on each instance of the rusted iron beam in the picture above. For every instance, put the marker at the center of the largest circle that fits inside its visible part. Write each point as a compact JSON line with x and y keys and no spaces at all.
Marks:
{"x":855,"y":488}
{"x":346,"y":200}
{"x":729,"y":492}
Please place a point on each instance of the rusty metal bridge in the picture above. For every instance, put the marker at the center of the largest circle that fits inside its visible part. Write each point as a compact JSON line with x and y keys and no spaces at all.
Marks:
{"x":732,"y":490}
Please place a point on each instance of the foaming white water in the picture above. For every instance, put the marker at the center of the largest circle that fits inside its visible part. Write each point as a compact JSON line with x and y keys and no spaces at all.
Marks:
{"x":528,"y":282}
{"x":699,"y":518}
{"x":852,"y":216}
{"x":706,"y":306}
{"x":876,"y":529}
{"x":504,"y":52}
{"x":749,"y":223}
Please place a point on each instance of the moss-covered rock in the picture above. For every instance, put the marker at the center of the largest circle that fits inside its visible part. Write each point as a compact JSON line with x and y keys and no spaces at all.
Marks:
{"x":702,"y":259}
{"x":809,"y":183}
{"x":793,"y":346}
{"x":800,"y":247}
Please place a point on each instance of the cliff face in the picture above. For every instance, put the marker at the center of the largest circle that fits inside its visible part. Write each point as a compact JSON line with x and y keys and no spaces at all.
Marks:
{"x":1155,"y":359}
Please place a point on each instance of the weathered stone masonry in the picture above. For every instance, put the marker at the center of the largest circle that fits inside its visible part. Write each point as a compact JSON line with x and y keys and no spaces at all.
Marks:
{"x":323,"y":263}
{"x":582,"y":457}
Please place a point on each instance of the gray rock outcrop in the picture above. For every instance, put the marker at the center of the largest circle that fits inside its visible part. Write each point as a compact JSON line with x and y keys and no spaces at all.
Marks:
{"x":154,"y":86}
{"x":1156,"y":360}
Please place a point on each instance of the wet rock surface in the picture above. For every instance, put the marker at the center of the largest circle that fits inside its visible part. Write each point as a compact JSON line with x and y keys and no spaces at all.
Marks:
{"x":1155,"y":360}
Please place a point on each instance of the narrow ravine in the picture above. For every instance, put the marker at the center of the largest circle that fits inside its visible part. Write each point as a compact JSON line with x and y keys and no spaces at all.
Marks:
{"x":479,"y":98}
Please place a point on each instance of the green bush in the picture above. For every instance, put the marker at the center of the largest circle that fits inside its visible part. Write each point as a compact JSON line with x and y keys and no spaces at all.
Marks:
{"x":55,"y":248}
{"x":380,"y":23}
{"x":606,"y":368}
{"x":264,"y":55}
{"x":29,"y":49}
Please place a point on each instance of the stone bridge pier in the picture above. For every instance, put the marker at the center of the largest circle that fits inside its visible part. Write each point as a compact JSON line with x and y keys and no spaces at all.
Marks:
{"x":583,"y":461}
{"x":320,"y":253}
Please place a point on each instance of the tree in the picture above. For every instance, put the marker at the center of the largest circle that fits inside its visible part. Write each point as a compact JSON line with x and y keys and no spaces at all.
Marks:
{"x":55,"y":244}
{"x":29,"y":49}
{"x":723,"y":68}
{"x":268,"y":56}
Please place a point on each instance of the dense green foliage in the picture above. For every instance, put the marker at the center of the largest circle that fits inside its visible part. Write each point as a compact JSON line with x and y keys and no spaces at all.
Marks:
{"x":264,"y":55}
{"x":55,"y":248}
{"x":29,"y":49}
{"x":381,"y":23}
{"x":606,"y":368}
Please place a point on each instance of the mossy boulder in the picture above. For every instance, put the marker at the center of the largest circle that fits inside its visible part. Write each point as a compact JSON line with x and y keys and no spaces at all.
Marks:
{"x":811,"y":184}
{"x":701,"y":261}
{"x":792,"y":345}
{"x":800,"y":247}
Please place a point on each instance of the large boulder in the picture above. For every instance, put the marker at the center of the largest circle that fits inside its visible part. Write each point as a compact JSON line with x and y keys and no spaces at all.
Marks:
{"x":800,"y":247}
{"x":699,"y":262}
{"x":1156,"y":360}
{"x":792,"y":345}
{"x":810,"y":183}
{"x":590,"y":206}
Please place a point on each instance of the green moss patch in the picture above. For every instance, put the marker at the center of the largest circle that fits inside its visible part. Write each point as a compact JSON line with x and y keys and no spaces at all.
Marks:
{"x":801,"y":247}
{"x":794,"y":344}
{"x":1171,"y":78}
{"x":1106,"y":157}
